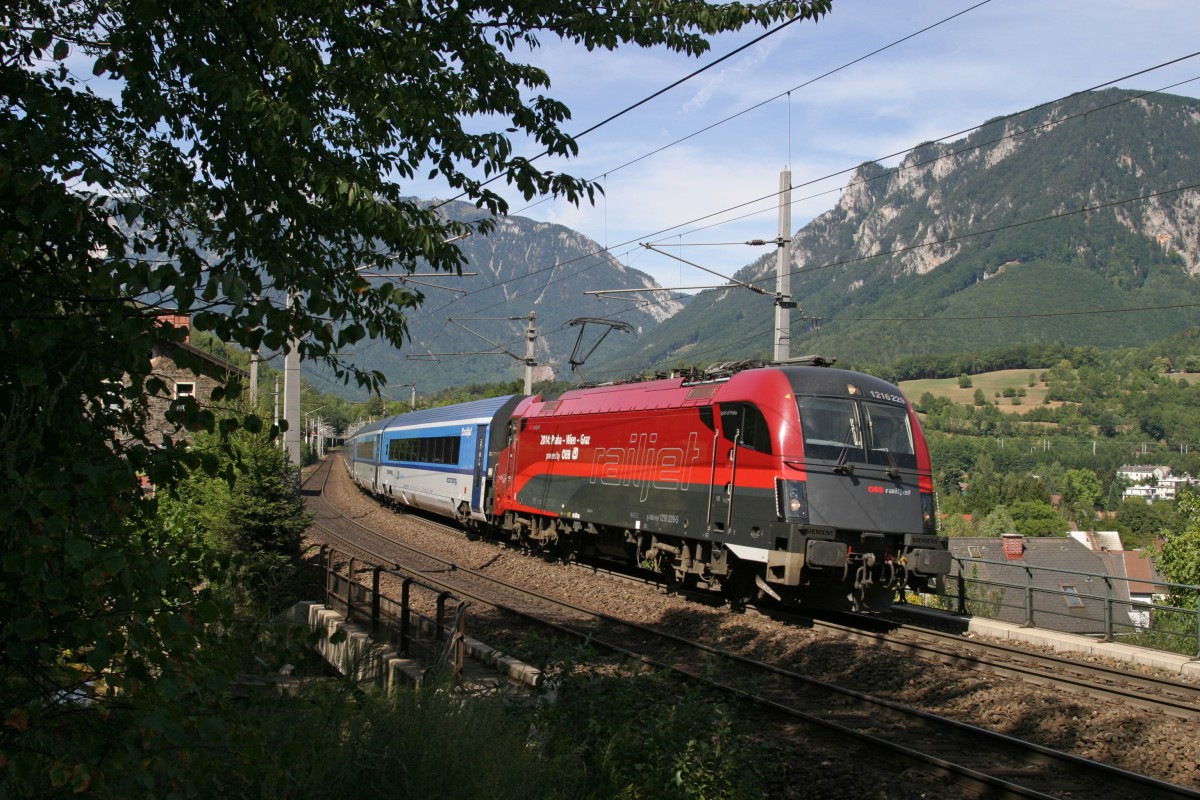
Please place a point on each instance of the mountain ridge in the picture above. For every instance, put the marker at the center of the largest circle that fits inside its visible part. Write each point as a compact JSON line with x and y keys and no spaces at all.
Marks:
{"x":1075,"y":222}
{"x":941,"y":253}
{"x":522,"y":266}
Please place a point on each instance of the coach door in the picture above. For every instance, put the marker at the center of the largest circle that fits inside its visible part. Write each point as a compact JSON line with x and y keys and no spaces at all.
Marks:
{"x":481,"y":446}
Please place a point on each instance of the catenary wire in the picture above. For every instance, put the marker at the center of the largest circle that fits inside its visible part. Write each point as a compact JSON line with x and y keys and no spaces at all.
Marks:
{"x":647,"y":99}
{"x":727,"y":119}
{"x":598,"y":253}
{"x":769,"y":100}
{"x":1022,"y":223}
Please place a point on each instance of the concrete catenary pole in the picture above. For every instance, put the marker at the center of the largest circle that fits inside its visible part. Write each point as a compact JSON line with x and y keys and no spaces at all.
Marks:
{"x":291,"y":397}
{"x":530,"y":363}
{"x":254,"y":381}
{"x":783,"y":271}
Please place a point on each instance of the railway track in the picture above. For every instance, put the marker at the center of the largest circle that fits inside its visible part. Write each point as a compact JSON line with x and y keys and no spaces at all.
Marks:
{"x":982,"y":761}
{"x":1149,"y":692}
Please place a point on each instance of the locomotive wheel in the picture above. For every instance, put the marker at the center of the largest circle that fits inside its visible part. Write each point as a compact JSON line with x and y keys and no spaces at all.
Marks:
{"x":676,"y":579}
{"x":564,"y":548}
{"x":739,"y":586}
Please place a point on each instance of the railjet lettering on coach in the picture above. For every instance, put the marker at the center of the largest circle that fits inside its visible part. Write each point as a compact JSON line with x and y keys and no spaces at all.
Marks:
{"x":668,"y":468}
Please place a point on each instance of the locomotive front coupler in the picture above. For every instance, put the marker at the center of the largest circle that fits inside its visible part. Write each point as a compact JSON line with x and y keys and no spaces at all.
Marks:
{"x":863,"y":572}
{"x":857,"y":561}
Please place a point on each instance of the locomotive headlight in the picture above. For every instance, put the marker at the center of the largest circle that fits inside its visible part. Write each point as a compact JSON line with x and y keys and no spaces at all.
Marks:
{"x":928,"y":518}
{"x":791,"y":501}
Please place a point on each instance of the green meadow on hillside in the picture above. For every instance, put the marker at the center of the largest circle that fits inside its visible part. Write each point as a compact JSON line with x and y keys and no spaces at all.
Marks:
{"x":992,"y":384}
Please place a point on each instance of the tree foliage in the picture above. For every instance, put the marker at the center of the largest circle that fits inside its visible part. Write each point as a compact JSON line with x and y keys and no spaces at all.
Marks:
{"x":1179,"y":557}
{"x":1141,"y":524}
{"x":215,"y":159}
{"x":1037,"y":518}
{"x":1082,"y":491}
{"x":997,"y":523}
{"x":249,"y":514}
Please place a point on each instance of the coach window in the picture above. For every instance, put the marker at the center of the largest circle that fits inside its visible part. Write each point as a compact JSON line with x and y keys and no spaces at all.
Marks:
{"x":402,"y":450}
{"x":745,"y":421}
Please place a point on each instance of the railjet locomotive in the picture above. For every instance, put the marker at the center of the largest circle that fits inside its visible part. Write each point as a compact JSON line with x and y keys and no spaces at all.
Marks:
{"x":804,"y":483}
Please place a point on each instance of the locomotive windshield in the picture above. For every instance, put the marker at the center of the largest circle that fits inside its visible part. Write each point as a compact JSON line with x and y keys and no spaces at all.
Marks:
{"x":831,"y":425}
{"x":890,"y":435}
{"x":848,"y":430}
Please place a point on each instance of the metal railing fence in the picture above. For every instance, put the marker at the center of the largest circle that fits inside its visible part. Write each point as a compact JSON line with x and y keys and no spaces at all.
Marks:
{"x":1090,"y":603}
{"x":398,"y":621}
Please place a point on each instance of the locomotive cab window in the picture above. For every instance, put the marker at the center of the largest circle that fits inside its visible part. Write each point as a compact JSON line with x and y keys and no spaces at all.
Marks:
{"x":831,"y":427}
{"x":889,"y":435}
{"x":746,"y":423}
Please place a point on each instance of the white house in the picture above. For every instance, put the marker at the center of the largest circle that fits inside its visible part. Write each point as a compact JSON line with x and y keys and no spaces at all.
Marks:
{"x":1152,"y":483}
{"x":1143,"y":474}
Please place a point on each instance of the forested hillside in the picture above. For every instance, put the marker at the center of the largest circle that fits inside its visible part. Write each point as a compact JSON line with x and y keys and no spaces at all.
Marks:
{"x":1039,"y":468}
{"x":1072,"y":223}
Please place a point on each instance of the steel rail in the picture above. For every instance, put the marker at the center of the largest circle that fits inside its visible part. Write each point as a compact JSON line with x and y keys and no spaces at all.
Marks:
{"x":1138,"y":690}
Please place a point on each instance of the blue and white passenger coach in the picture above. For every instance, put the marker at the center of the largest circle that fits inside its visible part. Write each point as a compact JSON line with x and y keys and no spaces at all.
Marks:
{"x":436,"y":459}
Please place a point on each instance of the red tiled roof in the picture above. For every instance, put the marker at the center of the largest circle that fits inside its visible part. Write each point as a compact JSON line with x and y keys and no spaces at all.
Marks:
{"x":1140,"y":571}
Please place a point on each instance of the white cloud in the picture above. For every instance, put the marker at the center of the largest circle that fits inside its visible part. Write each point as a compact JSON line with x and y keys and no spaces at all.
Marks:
{"x":997,"y":59}
{"x":741,"y":68}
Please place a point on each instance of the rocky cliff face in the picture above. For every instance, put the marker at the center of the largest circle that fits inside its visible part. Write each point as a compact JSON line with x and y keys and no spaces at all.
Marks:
{"x":1092,"y":202}
{"x":523,"y":266}
{"x":1100,"y":174}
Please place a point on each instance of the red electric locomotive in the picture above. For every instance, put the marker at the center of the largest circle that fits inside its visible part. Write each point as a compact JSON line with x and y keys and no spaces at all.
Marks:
{"x":804,"y":483}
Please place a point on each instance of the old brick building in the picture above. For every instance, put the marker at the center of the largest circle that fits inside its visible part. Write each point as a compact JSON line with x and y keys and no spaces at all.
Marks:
{"x":184,"y":382}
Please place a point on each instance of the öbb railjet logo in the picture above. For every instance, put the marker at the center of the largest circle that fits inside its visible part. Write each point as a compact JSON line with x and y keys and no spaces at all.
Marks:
{"x":889,"y":490}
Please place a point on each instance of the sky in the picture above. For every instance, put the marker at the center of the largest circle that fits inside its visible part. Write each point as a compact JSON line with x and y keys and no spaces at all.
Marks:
{"x":696,"y":170}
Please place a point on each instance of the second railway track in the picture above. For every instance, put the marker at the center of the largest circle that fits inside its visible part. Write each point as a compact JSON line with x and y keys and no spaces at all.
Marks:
{"x":1154,"y":693}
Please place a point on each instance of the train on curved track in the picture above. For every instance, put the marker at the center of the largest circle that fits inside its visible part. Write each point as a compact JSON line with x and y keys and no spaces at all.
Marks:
{"x":808,"y":484}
